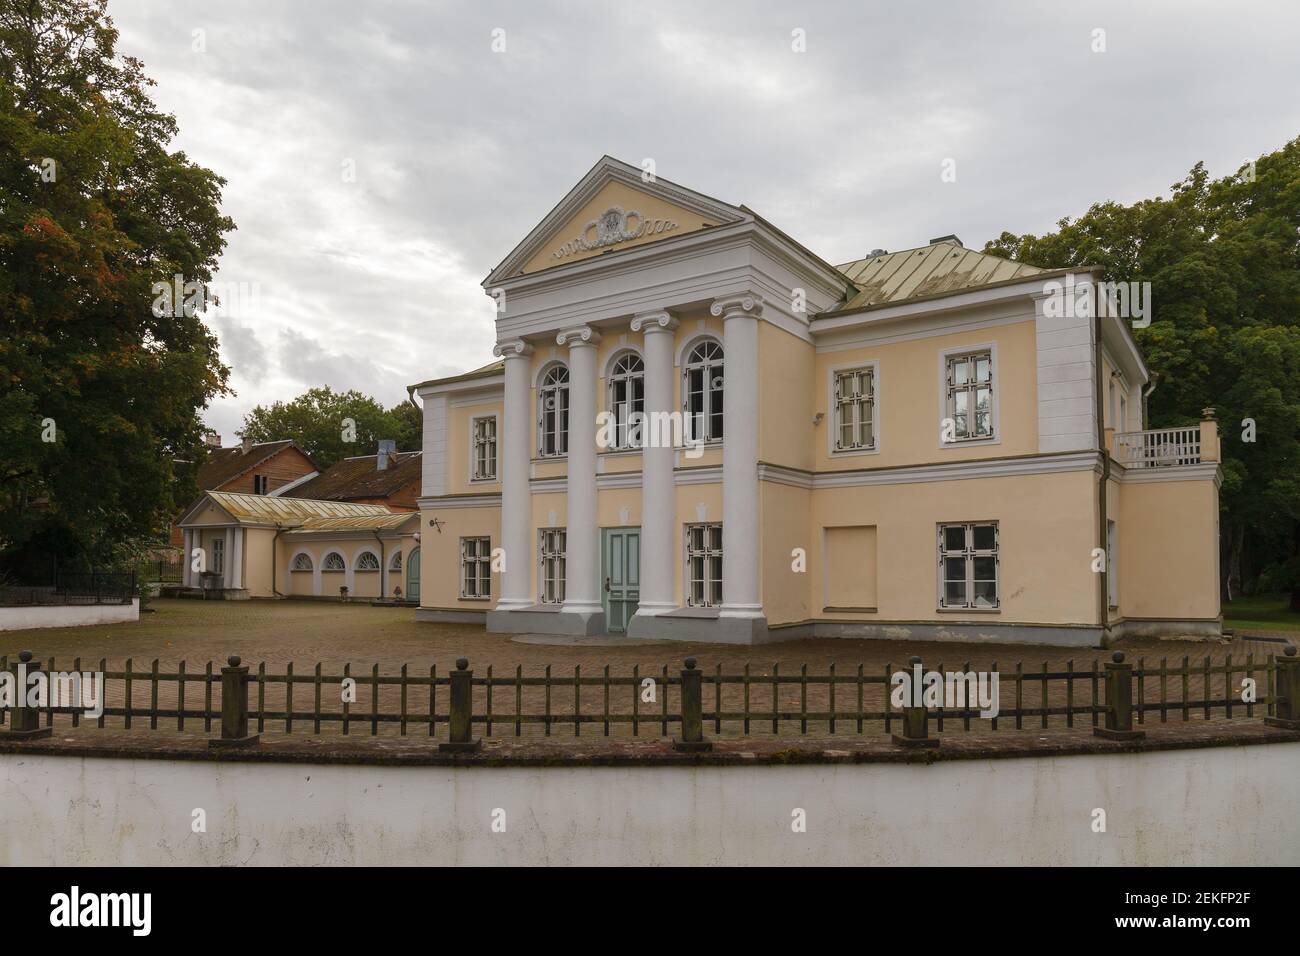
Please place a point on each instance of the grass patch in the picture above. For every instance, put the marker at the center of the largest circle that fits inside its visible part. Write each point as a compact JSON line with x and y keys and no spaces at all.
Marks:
{"x":1267,"y":612}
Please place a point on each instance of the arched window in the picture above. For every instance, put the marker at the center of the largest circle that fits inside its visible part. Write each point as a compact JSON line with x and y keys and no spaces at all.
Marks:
{"x":302,"y":562}
{"x":553,"y":413}
{"x":333,"y":562}
{"x":395,"y":562}
{"x":627,"y":399}
{"x":367,"y":562}
{"x":702,"y":392}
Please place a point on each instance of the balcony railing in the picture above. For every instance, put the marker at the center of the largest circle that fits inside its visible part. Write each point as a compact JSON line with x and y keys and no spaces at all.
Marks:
{"x":1159,"y":447}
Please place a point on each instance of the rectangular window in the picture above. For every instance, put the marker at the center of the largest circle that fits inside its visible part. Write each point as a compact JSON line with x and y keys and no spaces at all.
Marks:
{"x":704,"y":565}
{"x":855,"y":399}
{"x":475,"y":569}
{"x":552,"y":544}
{"x":219,"y":555}
{"x":970,"y":395}
{"x":485,"y":449}
{"x":259,"y":484}
{"x":968,"y":566}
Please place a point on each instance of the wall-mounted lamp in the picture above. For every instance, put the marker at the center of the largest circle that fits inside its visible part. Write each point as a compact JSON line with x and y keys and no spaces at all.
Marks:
{"x":817,"y":419}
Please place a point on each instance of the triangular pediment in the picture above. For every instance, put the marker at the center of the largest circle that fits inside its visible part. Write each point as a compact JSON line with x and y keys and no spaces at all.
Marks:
{"x":611,"y":209}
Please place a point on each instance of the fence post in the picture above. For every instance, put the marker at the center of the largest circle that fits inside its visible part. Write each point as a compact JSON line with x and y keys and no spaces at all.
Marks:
{"x":916,"y":718}
{"x":1287,"y":706}
{"x":234,"y":707}
{"x":461,"y":722}
{"x":24,"y":722}
{"x":1119,"y":702}
{"x":692,"y":737}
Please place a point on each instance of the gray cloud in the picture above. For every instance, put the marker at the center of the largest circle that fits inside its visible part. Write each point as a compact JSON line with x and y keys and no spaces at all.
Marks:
{"x":459,"y":151}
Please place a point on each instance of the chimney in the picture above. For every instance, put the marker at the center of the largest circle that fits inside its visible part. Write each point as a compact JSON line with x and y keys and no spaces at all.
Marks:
{"x":246,"y":445}
{"x":212,"y":441}
{"x":387,"y":448}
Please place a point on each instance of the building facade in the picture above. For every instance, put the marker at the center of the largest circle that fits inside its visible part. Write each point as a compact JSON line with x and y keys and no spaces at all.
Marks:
{"x":263,"y":546}
{"x":698,"y":429}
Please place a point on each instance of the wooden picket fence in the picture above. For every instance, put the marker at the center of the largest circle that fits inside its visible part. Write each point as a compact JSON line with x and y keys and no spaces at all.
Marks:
{"x":1114,"y":697}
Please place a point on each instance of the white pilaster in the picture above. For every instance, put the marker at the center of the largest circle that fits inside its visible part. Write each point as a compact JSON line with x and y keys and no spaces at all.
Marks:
{"x":658,"y":525}
{"x":187,"y":545}
{"x":740,"y":517}
{"x":226,"y":554}
{"x":516,"y":501}
{"x":582,"y":582}
{"x":237,"y":558}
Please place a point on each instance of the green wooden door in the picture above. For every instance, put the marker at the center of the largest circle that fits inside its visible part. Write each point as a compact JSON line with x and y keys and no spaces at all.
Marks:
{"x":620,"y":550}
{"x":413,"y":576}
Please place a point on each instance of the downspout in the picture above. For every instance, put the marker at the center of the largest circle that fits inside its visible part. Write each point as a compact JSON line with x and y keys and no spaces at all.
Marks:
{"x":1103,"y":579}
{"x":1146,"y":394}
{"x":275,"y":547}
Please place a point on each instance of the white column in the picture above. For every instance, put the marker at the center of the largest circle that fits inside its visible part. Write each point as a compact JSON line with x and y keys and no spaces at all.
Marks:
{"x":740,"y":518}
{"x":187,"y":545}
{"x":516,"y":500}
{"x":227,"y":564}
{"x":237,"y":559}
{"x":658,"y":510}
{"x":582,"y":549}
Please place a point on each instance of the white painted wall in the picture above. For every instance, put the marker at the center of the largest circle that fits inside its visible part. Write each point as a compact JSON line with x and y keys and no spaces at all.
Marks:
{"x":1220,"y":806}
{"x":67,"y":615}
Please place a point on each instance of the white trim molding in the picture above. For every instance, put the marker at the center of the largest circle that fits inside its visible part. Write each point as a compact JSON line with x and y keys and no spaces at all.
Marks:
{"x":948,"y":471}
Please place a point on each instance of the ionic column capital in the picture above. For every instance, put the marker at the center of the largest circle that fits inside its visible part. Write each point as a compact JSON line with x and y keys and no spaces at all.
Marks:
{"x":748,"y":305}
{"x":657,"y":321}
{"x":578,"y":336}
{"x":512,"y":348}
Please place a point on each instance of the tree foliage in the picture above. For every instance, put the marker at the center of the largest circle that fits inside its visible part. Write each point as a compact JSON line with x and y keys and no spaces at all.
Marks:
{"x":330,"y":426}
{"x":94,"y":209}
{"x":1223,"y":260}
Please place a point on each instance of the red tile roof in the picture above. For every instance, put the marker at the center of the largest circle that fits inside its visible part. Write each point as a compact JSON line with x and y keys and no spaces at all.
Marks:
{"x":353,"y":479}
{"x":226,"y":464}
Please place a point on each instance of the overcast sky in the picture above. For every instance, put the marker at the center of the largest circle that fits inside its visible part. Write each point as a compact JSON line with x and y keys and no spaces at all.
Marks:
{"x":459,"y":151}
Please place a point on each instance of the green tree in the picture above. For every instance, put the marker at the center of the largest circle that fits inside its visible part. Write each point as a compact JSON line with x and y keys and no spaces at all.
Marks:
{"x":330,"y":425}
{"x":1223,"y":260}
{"x":94,"y":210}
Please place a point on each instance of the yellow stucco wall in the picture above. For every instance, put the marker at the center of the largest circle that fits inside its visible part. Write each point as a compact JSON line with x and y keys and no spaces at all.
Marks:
{"x":459,"y":422}
{"x":440,"y":555}
{"x":1168,"y":550}
{"x":786,"y":434}
{"x":910,"y":396}
{"x":1046,"y":526}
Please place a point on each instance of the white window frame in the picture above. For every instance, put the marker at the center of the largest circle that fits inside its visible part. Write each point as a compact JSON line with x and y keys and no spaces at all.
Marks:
{"x":705,"y":582}
{"x":294,"y":565}
{"x":629,"y":407}
{"x":969,"y":553}
{"x":475,"y":442}
{"x":996,"y":382}
{"x":219,"y":555}
{"x":832,"y":434}
{"x":263,"y":483}
{"x":324,"y":563}
{"x":356,"y":564}
{"x":476,"y":566}
{"x":550,"y":577}
{"x":543,"y":390}
{"x":395,"y":562}
{"x":708,"y":392}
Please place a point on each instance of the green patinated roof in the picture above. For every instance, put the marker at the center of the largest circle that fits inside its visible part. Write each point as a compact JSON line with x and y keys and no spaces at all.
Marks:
{"x":944,"y":266}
